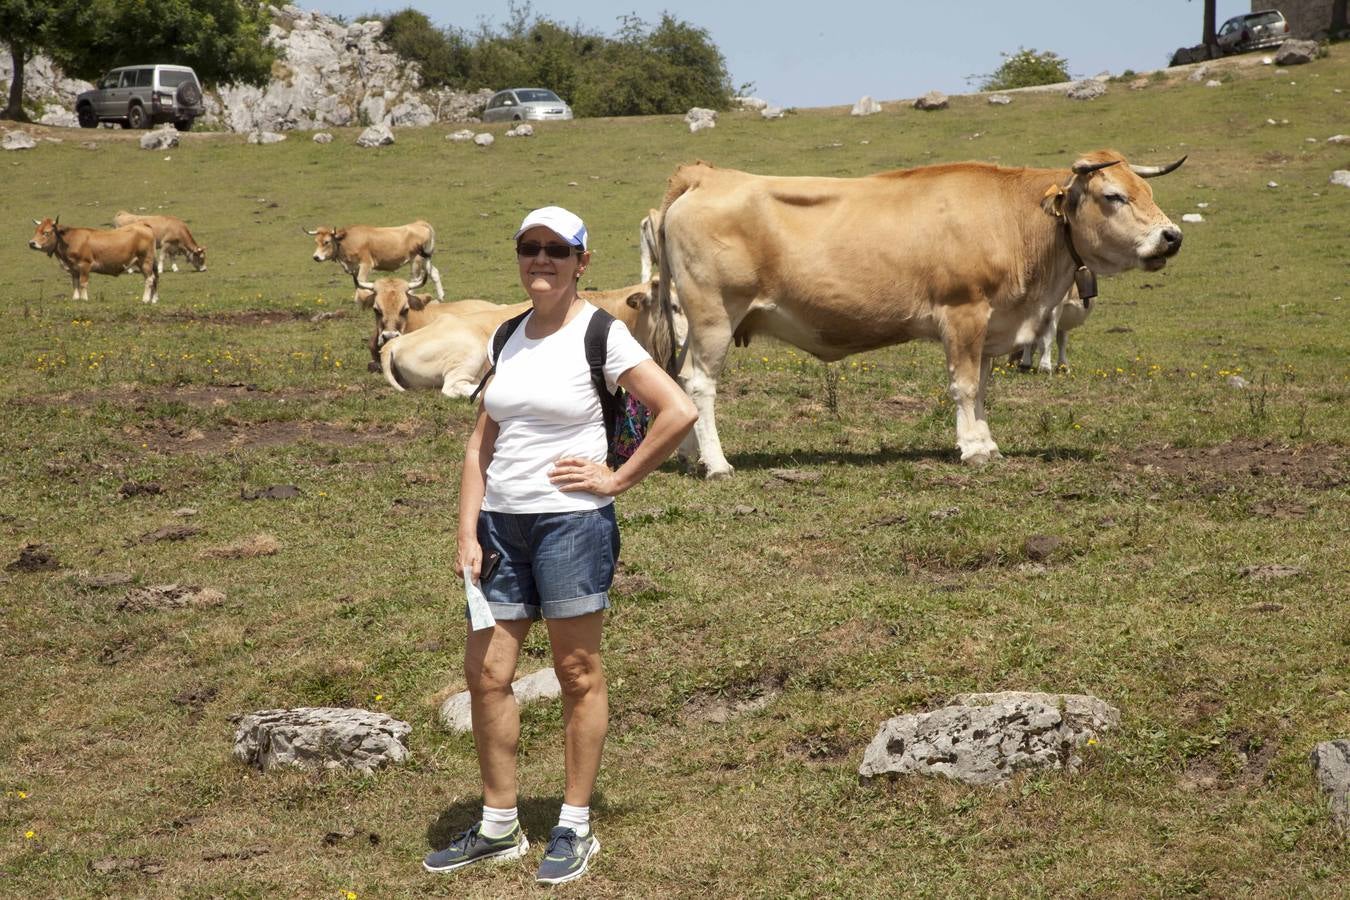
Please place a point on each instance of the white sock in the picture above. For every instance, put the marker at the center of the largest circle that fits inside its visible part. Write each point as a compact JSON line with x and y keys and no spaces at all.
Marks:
{"x":577,"y":818}
{"x":497,"y":822}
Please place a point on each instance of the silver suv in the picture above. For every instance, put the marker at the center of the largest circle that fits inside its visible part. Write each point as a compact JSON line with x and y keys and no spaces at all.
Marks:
{"x":1253,"y":31}
{"x":142,"y":96}
{"x":527,"y":105}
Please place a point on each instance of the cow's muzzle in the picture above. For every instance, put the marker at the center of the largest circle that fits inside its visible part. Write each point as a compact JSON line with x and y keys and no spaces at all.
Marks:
{"x":385,"y":337}
{"x":319,"y":257}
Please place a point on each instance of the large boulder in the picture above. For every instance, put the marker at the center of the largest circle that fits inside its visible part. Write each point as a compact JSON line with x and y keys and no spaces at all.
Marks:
{"x":984,"y":739}
{"x":699,"y":118}
{"x":484,"y":139}
{"x":524,"y":129}
{"x":320,"y":738}
{"x":865,"y":107}
{"x":754,"y":104}
{"x":1331,"y":765}
{"x":58,"y":117}
{"x":17,"y":140}
{"x":540,"y":685}
{"x":1296,"y":53}
{"x":375,"y":136}
{"x":164,"y":138}
{"x":1086,"y":90}
{"x":931,"y":100}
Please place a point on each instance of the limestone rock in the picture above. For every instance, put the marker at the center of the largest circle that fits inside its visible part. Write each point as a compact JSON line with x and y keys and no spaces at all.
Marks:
{"x":320,"y":738}
{"x":771,"y":112}
{"x":44,"y":87}
{"x":1341,"y":177}
{"x":461,"y":136}
{"x":522,"y":130}
{"x":1296,"y":53}
{"x":699,"y":118}
{"x":754,"y":104}
{"x":1213,"y":83}
{"x":1201,"y":73}
{"x":984,"y":739}
{"x":541,"y":685}
{"x":865,"y":107}
{"x":323,"y":137}
{"x":375,"y":136}
{"x":58,"y":117}
{"x":1086,"y":90}
{"x":931,"y":100}
{"x":999,"y":99}
{"x":17,"y":140}
{"x":1331,"y":765}
{"x":265,"y":137}
{"x":1192,"y":217}
{"x":484,"y":139}
{"x":160,"y":139}
{"x":1339,"y":139}
{"x":412,"y":113}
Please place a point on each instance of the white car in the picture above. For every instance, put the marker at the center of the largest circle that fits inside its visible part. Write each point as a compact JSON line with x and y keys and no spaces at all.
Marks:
{"x":526,"y":105}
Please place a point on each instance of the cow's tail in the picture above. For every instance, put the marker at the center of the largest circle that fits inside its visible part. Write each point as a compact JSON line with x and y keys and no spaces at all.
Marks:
{"x":387,"y":365}
{"x":429,"y":245}
{"x":665,"y":345}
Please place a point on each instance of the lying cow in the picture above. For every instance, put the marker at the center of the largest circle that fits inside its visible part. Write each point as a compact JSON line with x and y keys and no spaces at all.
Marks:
{"x":399,"y":310}
{"x":81,"y":251}
{"x":1065,"y":317}
{"x":173,"y":237}
{"x":450,"y":355}
{"x":362,"y":249}
{"x":970,"y":254}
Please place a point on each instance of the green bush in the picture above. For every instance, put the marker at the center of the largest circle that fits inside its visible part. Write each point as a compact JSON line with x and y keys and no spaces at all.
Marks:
{"x":1027,"y":68}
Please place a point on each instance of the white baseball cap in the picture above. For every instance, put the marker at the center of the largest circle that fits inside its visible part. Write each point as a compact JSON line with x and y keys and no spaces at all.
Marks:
{"x":566,"y":225}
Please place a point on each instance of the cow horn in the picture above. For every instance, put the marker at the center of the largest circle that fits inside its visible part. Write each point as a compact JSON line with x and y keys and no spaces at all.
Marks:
{"x":37,"y":222}
{"x":308,"y":232}
{"x":414,"y":285}
{"x":1155,"y":171}
{"x":1086,"y":168}
{"x":362,"y":285}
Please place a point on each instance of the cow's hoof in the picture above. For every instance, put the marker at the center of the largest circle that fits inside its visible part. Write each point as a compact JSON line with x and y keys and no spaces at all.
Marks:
{"x":373,"y":366}
{"x":980,"y":457}
{"x":718,"y":474}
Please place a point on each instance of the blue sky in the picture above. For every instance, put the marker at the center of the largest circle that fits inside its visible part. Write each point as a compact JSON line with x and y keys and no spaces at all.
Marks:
{"x":832,"y":53}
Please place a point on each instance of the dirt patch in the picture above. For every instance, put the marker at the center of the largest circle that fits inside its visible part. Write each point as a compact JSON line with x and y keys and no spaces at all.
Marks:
{"x":1321,"y":467}
{"x":825,"y":747}
{"x":245,"y":548}
{"x":721,"y":706}
{"x":35,"y":558}
{"x":170,"y":533}
{"x":1270,"y":572}
{"x":243,"y":853}
{"x":194,"y":700}
{"x":168,"y":437}
{"x":1241,"y":759}
{"x":137,"y":488}
{"x":275,"y":492}
{"x":170,"y":596}
{"x":119,"y":865}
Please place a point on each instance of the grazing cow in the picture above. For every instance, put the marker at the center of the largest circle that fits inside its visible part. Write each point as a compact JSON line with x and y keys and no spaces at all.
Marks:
{"x":450,"y":354}
{"x":361,"y":249}
{"x":398,"y":310}
{"x":970,"y":254}
{"x":81,"y":251}
{"x":1065,"y":317}
{"x":173,"y":237}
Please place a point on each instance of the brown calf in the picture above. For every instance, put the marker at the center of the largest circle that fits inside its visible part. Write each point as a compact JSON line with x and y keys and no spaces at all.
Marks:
{"x":173,"y":237}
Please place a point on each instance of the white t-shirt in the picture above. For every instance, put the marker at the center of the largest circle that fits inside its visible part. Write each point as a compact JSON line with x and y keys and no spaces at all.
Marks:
{"x":546,"y":407}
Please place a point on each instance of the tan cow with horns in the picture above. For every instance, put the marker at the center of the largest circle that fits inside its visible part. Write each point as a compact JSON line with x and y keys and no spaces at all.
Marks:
{"x":970,"y":254}
{"x":362,"y":249}
{"x":82,"y":251}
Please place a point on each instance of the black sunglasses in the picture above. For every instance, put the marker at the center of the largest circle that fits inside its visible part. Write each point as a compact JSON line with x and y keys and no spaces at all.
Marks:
{"x":552,"y":251}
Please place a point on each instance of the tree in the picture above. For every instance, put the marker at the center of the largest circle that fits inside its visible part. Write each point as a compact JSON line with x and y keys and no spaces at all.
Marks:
{"x":1208,"y":36}
{"x":22,"y":23}
{"x":221,"y":39}
{"x":1339,"y":25}
{"x":1027,"y":68}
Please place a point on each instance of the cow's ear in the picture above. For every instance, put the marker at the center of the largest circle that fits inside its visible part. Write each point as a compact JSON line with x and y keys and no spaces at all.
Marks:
{"x":339,"y":235}
{"x":1053,"y":201}
{"x":638,"y":300}
{"x":418,"y":301}
{"x":366,"y":298}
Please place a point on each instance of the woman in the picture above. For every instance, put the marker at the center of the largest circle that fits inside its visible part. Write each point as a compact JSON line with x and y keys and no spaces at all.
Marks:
{"x":536,"y":490}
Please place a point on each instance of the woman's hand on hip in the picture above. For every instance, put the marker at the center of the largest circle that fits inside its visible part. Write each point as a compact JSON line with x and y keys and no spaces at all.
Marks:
{"x":573,"y":473}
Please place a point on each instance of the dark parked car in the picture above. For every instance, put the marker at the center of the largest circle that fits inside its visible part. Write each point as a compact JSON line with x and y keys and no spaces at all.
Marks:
{"x":1253,"y":31}
{"x":142,"y":96}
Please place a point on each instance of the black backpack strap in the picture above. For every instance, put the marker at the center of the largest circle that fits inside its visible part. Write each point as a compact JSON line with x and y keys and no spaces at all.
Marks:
{"x":597,"y":349}
{"x":499,"y":339}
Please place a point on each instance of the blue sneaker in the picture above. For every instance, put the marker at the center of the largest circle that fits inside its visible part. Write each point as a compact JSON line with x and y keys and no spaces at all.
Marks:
{"x":567,"y":856}
{"x":471,"y":847}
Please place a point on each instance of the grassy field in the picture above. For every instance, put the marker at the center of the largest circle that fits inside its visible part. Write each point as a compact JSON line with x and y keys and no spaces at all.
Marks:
{"x":831,"y":604}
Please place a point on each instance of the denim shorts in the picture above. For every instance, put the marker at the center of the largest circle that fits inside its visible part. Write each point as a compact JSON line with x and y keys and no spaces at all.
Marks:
{"x":554,"y":565}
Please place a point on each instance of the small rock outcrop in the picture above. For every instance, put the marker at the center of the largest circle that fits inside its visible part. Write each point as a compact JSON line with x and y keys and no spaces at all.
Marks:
{"x":1331,"y":765}
{"x":541,"y":685}
{"x":323,"y":137}
{"x":1296,"y":53}
{"x":17,"y":140}
{"x":1341,"y":177}
{"x":375,"y":136}
{"x":319,"y":737}
{"x":484,"y":139}
{"x":931,"y":101}
{"x":865,"y":107}
{"x":524,"y":129}
{"x":699,"y":118}
{"x":754,"y":104}
{"x":160,"y":139}
{"x":984,"y":739}
{"x":999,"y":99}
{"x":1086,"y":90}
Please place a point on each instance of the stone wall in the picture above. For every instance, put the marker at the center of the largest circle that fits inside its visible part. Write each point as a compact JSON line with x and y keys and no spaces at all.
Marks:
{"x":1307,"y":18}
